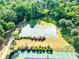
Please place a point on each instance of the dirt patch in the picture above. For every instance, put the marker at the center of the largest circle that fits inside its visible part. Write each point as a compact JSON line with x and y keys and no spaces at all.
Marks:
{"x":2,"y":50}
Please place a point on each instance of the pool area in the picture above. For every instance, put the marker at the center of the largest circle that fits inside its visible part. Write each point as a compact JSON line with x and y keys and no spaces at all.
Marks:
{"x":55,"y":55}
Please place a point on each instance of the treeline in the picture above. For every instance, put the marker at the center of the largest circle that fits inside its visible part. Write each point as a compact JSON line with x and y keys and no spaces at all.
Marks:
{"x":64,"y":12}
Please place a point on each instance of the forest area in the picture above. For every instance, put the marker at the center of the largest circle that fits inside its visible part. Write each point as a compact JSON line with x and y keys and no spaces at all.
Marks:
{"x":65,"y":13}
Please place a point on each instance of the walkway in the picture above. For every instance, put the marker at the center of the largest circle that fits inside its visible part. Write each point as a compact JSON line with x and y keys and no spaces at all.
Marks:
{"x":7,"y":48}
{"x":9,"y":43}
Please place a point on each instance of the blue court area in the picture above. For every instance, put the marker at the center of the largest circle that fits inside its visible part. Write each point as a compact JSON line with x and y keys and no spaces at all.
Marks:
{"x":55,"y":55}
{"x":41,"y":58}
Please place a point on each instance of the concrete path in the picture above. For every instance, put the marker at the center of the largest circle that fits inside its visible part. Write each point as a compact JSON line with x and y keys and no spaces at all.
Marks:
{"x":7,"y":48}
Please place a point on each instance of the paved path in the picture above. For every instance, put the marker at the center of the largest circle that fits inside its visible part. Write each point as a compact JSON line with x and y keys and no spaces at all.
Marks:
{"x":7,"y":48}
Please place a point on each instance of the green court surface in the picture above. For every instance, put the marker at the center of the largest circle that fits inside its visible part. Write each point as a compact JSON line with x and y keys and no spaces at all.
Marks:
{"x":55,"y":55}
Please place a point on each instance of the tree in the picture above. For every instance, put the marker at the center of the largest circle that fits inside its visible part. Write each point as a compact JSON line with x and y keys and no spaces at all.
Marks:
{"x":77,"y":23}
{"x":20,"y":11}
{"x":1,"y":41}
{"x":34,"y":12}
{"x":76,"y":43}
{"x":3,"y":2}
{"x":74,"y":32}
{"x":1,"y":31}
{"x":45,"y":12}
{"x":71,"y":14}
{"x":10,"y":25}
{"x":68,"y":23}
{"x":9,"y":15}
{"x":4,"y":24}
{"x":62,"y":22}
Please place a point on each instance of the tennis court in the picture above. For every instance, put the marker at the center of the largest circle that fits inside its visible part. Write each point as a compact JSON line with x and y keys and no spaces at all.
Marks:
{"x":55,"y":55}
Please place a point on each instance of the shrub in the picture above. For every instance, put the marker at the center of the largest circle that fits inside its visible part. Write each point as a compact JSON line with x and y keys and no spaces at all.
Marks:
{"x":8,"y":56}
